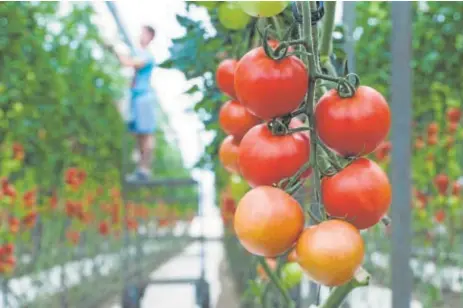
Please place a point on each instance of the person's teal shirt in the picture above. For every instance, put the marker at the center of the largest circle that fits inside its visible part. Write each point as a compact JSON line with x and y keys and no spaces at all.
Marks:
{"x":142,"y":78}
{"x":143,"y":102}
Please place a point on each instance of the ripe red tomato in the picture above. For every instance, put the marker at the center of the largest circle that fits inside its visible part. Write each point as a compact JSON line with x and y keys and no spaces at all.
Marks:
{"x":236,"y":120}
{"x":441,"y":181}
{"x":7,"y":249}
{"x":422,"y":199}
{"x":270,"y":88}
{"x":439,"y":216}
{"x":325,"y":257}
{"x":103,"y":228}
{"x":228,"y":154}
{"x":456,"y":189}
{"x":454,"y":114}
{"x":13,"y":224}
{"x":225,"y":77}
{"x":360,"y":193}
{"x":433,"y":139}
{"x":433,"y":129}
{"x":452,"y":127}
{"x":268,"y":221}
{"x":265,"y":159}
{"x":353,"y":126}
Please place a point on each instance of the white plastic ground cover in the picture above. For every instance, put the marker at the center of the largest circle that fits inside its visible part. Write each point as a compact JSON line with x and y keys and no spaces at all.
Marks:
{"x":25,"y":287}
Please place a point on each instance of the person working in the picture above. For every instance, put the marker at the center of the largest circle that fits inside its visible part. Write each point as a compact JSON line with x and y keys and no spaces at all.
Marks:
{"x":142,"y":122}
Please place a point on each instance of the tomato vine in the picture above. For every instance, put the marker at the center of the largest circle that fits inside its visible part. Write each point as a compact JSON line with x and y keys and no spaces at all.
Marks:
{"x":260,"y":209}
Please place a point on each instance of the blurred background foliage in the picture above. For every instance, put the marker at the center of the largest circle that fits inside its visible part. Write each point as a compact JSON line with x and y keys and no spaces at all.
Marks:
{"x":58,"y":93}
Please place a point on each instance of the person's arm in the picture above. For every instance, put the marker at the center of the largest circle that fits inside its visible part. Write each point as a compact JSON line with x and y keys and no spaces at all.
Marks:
{"x":131,"y":62}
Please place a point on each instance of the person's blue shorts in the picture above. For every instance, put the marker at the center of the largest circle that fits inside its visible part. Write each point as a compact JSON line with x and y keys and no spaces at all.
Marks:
{"x":142,"y":112}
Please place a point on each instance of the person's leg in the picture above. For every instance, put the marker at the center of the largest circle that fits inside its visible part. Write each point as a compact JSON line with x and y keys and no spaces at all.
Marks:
{"x":146,"y":148}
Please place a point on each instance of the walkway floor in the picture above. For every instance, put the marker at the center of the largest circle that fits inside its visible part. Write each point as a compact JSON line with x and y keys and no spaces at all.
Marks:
{"x":186,"y":265}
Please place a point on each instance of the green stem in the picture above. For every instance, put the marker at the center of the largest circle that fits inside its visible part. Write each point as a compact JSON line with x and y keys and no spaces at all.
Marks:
{"x":274,"y":278}
{"x":311,"y":36}
{"x":277,"y":24}
{"x":326,"y":43}
{"x":338,"y":295}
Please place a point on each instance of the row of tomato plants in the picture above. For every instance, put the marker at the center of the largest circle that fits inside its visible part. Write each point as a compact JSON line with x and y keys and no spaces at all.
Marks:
{"x":87,"y":205}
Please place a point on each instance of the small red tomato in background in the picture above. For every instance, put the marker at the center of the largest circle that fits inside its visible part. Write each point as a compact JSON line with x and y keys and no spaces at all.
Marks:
{"x":30,"y":198}
{"x":433,"y":129}
{"x":103,"y":228}
{"x":453,"y":114}
{"x":13,"y":224}
{"x":30,"y":219}
{"x":18,"y":151}
{"x":225,"y":77}
{"x":456,"y":189}
{"x":433,"y":140}
{"x":441,"y":181}
{"x":439,"y":216}
{"x":353,"y":126}
{"x":452,"y":127}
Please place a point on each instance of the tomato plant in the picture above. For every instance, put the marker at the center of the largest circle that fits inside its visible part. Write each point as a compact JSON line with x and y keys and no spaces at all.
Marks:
{"x":320,"y":245}
{"x":270,"y":88}
{"x":236,"y":120}
{"x":268,"y":221}
{"x":355,"y":125}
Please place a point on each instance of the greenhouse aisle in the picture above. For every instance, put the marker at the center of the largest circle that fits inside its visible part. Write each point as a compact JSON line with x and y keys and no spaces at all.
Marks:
{"x":186,"y":265}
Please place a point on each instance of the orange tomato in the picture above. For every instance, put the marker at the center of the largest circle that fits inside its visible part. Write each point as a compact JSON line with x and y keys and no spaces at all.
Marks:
{"x":268,"y":221}
{"x":330,"y":252}
{"x":228,"y":154}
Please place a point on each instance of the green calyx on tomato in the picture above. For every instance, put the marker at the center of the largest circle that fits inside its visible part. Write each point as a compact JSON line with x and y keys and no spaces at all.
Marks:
{"x":263,"y":8}
{"x":232,"y":17}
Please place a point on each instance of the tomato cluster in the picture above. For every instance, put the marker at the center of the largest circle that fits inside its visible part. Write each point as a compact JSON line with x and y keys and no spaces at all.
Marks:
{"x":267,"y":145}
